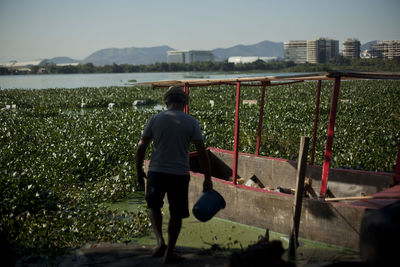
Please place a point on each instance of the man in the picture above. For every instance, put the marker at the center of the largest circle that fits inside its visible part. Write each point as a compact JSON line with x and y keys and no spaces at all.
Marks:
{"x":171,"y":132}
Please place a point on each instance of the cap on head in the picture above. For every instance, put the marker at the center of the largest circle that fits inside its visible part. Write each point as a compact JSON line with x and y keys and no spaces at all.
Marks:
{"x":175,"y":91}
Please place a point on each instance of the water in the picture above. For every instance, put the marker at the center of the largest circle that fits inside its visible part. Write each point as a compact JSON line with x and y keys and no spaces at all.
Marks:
{"x":44,"y":81}
{"x":226,"y":234}
{"x":195,"y":233}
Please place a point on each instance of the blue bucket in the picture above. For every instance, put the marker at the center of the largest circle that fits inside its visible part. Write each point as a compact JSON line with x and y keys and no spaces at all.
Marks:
{"x":208,"y":205}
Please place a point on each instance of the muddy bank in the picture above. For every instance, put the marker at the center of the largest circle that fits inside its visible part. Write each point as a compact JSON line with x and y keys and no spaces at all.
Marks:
{"x":112,"y":255}
{"x":106,"y":254}
{"x":201,"y":244}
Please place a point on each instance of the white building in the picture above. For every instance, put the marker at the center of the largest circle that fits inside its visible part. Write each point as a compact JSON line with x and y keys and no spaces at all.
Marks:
{"x":239,"y":59}
{"x":23,"y":64}
{"x":351,"y":48}
{"x":296,"y":51}
{"x":365,"y":54}
{"x":386,"y":49}
{"x":312,"y":51}
{"x":67,"y":64}
{"x":321,"y":50}
{"x":189,"y":56}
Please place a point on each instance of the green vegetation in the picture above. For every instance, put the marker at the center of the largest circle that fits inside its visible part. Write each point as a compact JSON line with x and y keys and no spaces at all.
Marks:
{"x":66,"y":152}
{"x":60,"y":163}
{"x":339,"y":63}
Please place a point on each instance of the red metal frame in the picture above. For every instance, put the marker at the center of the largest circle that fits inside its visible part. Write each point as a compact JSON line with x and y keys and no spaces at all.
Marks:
{"x":236,"y":141}
{"x":330,"y":133}
{"x":329,"y":137}
{"x":315,"y":123}
{"x":284,"y":83}
{"x":186,"y":89}
{"x":260,"y":117}
{"x":397,"y":176}
{"x":231,"y":83}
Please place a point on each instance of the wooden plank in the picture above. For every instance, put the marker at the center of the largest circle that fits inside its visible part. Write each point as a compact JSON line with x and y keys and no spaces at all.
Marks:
{"x":307,"y":77}
{"x":365,"y":75}
{"x":314,"y":76}
{"x":298,"y":198}
{"x":333,"y":199}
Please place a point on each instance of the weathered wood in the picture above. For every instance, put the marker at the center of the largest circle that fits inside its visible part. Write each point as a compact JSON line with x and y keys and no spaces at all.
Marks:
{"x":321,"y":221}
{"x":333,"y":199}
{"x":365,"y":75}
{"x":344,"y":75}
{"x":298,"y":199}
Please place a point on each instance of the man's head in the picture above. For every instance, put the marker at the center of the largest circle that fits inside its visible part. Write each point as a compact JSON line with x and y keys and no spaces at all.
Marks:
{"x":175,"y":95}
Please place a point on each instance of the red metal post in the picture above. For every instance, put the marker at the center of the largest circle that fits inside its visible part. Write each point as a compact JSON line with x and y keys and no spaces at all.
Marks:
{"x":316,"y":122}
{"x":329,"y":137}
{"x":186,"y":88}
{"x":236,"y":141}
{"x":260,"y":117}
{"x":397,"y":177}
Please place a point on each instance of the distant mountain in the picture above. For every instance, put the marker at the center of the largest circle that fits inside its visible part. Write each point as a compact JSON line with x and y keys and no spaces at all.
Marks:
{"x":151,"y":55}
{"x":132,"y":55}
{"x":262,"y":49}
{"x":58,"y":60}
{"x":367,"y":46}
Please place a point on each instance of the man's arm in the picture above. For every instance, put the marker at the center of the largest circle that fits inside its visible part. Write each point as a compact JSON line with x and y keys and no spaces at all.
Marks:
{"x":140,"y":153}
{"x":205,"y":165}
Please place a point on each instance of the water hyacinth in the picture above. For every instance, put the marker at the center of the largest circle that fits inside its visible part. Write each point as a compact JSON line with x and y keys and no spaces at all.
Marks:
{"x":59,"y":165}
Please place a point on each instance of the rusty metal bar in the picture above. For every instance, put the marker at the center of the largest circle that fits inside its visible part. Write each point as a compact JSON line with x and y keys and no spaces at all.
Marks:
{"x":316,"y":122}
{"x":260,"y":117}
{"x":256,"y":85}
{"x":284,"y":83}
{"x":186,"y":88}
{"x":230,"y":83}
{"x":236,"y":141}
{"x":329,"y":137}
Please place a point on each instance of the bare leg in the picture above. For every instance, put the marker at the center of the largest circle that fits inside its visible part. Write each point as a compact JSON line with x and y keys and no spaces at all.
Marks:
{"x":156,"y":221}
{"x":174,"y":228}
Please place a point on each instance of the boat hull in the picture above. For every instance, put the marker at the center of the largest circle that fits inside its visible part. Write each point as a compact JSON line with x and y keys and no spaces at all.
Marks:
{"x":334,"y":223}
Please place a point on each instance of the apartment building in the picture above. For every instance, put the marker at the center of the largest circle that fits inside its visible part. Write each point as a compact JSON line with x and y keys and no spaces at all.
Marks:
{"x":351,"y":48}
{"x":189,"y":56}
{"x":295,"y":51}
{"x":312,"y":51}
{"x":321,"y":50}
{"x":385,"y":49}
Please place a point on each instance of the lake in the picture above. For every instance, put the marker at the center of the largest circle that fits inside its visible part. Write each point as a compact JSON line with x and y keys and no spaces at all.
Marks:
{"x":44,"y":81}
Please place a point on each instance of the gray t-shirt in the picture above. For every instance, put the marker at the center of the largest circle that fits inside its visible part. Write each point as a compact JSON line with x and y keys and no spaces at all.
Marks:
{"x":171,"y":131}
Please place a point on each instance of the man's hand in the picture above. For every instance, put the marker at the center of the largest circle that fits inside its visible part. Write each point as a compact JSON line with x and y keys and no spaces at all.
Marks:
{"x":207,"y":185}
{"x":205,"y":165}
{"x":140,"y":175}
{"x":140,"y":152}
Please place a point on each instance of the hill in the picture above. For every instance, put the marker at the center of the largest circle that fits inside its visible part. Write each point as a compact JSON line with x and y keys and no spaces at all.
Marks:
{"x":151,"y":55}
{"x":132,"y":55}
{"x":367,"y":46}
{"x":262,"y":49}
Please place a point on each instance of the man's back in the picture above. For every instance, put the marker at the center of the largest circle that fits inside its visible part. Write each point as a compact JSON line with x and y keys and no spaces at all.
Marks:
{"x":171,"y":131}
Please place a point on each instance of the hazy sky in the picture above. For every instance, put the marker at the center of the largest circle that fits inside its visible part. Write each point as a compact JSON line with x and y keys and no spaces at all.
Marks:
{"x":38,"y":29}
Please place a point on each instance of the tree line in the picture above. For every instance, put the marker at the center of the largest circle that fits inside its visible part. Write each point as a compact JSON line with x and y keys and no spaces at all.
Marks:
{"x":338,"y":63}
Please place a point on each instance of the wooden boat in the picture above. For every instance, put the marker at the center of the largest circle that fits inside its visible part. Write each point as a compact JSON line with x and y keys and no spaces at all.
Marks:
{"x":257,"y":189}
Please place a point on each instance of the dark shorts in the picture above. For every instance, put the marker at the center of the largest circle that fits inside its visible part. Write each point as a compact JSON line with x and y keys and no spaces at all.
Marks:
{"x":176,"y":187}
